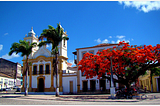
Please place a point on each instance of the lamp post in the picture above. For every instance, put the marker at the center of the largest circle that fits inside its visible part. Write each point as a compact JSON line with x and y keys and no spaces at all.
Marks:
{"x":112,"y":88}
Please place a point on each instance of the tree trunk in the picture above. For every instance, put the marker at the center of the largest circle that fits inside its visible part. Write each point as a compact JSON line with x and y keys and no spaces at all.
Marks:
{"x":57,"y":86}
{"x":26,"y":87}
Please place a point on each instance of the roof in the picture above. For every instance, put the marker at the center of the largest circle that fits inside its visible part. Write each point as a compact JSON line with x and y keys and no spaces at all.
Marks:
{"x":100,"y":45}
{"x":4,"y":75}
{"x":8,"y":61}
{"x":69,"y":64}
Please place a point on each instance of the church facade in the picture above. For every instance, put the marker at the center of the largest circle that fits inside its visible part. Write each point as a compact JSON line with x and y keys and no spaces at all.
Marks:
{"x":41,"y":77}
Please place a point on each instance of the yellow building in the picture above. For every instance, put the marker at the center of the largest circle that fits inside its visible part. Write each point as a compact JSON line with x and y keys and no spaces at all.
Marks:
{"x":41,"y":77}
{"x":145,"y":81}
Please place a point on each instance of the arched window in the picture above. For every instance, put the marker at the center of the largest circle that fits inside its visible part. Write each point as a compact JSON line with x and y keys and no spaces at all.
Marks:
{"x":34,"y":70}
{"x":41,"y":69}
{"x":47,"y":69}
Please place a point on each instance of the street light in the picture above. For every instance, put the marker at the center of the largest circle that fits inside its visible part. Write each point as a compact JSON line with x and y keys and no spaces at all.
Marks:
{"x":112,"y":88}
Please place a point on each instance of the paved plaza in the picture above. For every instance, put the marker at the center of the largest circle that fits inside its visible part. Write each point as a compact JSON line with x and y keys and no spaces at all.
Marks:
{"x":99,"y":99}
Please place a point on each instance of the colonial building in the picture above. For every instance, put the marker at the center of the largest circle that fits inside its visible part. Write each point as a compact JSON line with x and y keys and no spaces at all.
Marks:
{"x":145,"y":82}
{"x":6,"y":81}
{"x":10,"y":70}
{"x":41,"y":77}
{"x":93,"y":84}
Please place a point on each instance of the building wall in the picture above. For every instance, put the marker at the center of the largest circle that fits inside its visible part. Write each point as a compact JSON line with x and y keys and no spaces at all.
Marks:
{"x":6,"y":82}
{"x":7,"y":67}
{"x":144,"y":81}
{"x":93,"y":50}
{"x":66,"y":83}
{"x":11,"y":69}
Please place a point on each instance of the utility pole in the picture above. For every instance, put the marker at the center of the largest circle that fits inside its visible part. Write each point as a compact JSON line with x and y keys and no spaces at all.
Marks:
{"x":112,"y":88}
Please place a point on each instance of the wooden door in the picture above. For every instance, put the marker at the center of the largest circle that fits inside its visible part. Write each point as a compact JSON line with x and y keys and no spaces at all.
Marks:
{"x":71,"y":86}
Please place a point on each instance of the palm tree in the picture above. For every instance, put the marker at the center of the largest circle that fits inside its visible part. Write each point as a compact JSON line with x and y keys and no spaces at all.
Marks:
{"x":53,"y":36}
{"x":25,"y":48}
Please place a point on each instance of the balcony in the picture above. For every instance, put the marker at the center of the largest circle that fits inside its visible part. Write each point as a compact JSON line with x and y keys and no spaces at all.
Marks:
{"x":42,"y":72}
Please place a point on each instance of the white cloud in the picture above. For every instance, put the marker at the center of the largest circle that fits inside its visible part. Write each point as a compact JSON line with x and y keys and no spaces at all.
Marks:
{"x":110,"y":36}
{"x":1,"y":47}
{"x":5,"y":34}
{"x":144,"y":6}
{"x":98,"y":40}
{"x":112,"y":42}
{"x":6,"y":56}
{"x":127,"y":41}
{"x":105,"y":41}
{"x":120,"y":37}
{"x":118,"y":41}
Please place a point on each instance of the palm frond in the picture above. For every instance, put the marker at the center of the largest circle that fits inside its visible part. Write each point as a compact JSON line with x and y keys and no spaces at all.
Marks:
{"x":22,"y":47}
{"x":44,"y":43}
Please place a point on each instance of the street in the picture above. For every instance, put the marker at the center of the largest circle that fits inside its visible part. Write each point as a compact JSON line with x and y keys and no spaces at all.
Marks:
{"x":20,"y":99}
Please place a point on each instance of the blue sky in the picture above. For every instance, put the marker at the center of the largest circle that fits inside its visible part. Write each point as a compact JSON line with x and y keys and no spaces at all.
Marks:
{"x":88,"y":23}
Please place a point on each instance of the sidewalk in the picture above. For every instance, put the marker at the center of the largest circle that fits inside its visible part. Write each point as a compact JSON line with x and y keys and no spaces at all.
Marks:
{"x":83,"y":98}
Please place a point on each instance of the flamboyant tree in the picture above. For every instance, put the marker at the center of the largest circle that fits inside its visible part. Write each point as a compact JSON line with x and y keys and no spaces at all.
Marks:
{"x":129,"y":62}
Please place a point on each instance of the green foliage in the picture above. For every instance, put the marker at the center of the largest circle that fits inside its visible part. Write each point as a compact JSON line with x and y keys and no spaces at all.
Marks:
{"x":155,"y":71}
{"x":22,"y":47}
{"x":53,"y":36}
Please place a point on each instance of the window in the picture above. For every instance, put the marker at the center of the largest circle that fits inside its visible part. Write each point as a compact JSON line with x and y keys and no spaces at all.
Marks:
{"x":83,"y":53}
{"x":91,"y":51}
{"x":64,"y":42}
{"x":41,"y":69}
{"x":47,"y":69}
{"x":10,"y":82}
{"x":1,"y":82}
{"x":6,"y":81}
{"x":100,"y":50}
{"x":34,"y":70}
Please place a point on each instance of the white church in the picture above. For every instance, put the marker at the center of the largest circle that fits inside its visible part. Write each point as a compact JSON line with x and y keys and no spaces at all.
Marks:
{"x":71,"y":81}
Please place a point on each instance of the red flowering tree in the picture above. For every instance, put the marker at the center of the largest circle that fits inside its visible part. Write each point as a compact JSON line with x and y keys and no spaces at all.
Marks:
{"x":129,"y":62}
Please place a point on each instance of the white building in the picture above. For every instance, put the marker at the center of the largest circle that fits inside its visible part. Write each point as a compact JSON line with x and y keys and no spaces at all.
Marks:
{"x":93,"y":84}
{"x":41,"y":77}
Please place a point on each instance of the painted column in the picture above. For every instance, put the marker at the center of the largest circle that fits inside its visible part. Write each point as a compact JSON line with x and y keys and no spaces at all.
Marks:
{"x":30,"y":79}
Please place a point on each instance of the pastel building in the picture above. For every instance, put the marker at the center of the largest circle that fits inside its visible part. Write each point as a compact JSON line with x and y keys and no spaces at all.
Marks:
{"x":93,"y":84}
{"x":145,"y":82}
{"x":41,"y":77}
